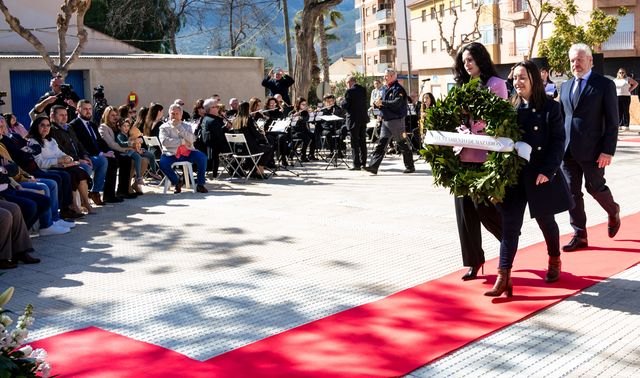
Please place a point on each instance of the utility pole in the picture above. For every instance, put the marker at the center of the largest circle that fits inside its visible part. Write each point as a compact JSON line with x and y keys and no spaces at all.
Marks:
{"x":287,"y":36}
{"x":406,"y":34}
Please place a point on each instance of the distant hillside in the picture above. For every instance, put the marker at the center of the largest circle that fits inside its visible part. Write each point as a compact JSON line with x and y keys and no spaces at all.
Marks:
{"x":271,"y":45}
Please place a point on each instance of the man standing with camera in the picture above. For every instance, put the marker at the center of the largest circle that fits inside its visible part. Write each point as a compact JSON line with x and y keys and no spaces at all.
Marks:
{"x":278,"y":82}
{"x":60,"y":94}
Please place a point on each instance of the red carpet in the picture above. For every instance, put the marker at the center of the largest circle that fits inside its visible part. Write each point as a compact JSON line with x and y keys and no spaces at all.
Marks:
{"x":631,"y":139}
{"x":389,"y":337}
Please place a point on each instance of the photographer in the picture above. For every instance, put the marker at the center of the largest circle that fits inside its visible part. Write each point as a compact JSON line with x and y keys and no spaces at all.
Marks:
{"x":278,"y":82}
{"x":60,"y":94}
{"x":99,"y":103}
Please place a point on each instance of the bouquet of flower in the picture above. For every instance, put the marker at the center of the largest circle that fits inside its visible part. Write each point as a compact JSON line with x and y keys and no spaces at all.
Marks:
{"x":16,"y":359}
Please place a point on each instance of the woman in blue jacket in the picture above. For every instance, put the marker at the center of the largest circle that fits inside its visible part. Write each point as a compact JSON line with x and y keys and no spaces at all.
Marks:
{"x":541,"y":183}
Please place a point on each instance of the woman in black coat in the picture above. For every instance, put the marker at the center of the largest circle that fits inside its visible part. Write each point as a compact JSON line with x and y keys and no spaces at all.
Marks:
{"x":541,"y":184}
{"x":256,"y":140}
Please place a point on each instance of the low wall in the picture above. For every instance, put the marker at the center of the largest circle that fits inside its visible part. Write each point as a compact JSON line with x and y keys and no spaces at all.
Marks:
{"x":156,"y":78}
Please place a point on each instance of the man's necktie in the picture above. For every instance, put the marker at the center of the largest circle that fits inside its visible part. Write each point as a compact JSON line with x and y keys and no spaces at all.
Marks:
{"x":576,"y":93}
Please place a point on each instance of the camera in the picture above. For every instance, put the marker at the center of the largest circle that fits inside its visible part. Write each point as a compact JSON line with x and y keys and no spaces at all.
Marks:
{"x":2,"y":94}
{"x":98,"y":92}
{"x":65,"y":91}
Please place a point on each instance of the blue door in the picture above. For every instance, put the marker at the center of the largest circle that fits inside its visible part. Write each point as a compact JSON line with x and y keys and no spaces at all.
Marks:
{"x":28,"y":86}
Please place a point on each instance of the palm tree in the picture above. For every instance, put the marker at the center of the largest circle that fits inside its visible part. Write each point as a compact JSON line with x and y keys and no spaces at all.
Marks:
{"x":324,"y":37}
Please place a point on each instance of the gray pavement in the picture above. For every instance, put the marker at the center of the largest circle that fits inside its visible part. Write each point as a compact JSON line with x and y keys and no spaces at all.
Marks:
{"x":204,"y":274}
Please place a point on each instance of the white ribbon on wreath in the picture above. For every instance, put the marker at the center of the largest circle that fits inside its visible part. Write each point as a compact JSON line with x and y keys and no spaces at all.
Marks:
{"x":480,"y":142}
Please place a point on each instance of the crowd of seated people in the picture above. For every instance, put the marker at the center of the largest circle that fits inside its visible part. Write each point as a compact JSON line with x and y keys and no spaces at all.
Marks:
{"x":63,"y":166}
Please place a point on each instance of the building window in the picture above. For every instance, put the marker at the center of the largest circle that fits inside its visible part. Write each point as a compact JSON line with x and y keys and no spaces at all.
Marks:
{"x":434,"y":44}
{"x":489,"y":34}
{"x":522,"y":40}
{"x":368,"y":61}
{"x":425,"y":47}
{"x":433,"y":13}
{"x":376,"y":59}
{"x":424,"y":15}
{"x":519,"y":5}
{"x":375,"y":34}
{"x":442,"y":45}
{"x":546,"y":29}
{"x":441,"y":10}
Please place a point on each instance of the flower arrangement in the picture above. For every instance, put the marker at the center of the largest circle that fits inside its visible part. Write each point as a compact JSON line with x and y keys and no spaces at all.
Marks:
{"x":470,"y":108}
{"x":16,"y":359}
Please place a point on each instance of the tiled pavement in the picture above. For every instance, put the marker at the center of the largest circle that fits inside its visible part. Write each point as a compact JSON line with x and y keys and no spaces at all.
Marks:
{"x":204,"y":274}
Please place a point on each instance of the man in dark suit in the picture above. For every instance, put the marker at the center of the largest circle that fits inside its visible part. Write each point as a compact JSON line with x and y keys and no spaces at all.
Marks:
{"x":355,"y":104}
{"x":87,"y":133}
{"x":590,"y":108}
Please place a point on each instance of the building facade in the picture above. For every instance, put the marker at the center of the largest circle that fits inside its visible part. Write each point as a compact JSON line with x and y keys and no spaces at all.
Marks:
{"x":383,"y":36}
{"x":437,"y":28}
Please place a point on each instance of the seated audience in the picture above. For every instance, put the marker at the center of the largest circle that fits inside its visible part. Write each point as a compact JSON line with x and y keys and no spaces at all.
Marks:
{"x":49,"y":157}
{"x":15,"y":244}
{"x":177,"y":140}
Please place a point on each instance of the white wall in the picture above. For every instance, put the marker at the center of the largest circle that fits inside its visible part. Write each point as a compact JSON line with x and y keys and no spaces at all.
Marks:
{"x":42,"y":14}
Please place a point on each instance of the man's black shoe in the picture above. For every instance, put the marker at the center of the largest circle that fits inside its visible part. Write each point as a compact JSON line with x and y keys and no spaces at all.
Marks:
{"x":113,"y":199}
{"x":614,"y":223}
{"x":129,"y":195}
{"x":371,"y":170}
{"x":201,"y":189}
{"x":409,"y":170}
{"x":27,"y":258}
{"x":575,"y":244}
{"x":355,"y":168}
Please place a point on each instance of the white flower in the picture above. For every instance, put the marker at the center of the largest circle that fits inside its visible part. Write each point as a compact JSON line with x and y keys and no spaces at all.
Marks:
{"x":18,"y":336}
{"x":45,"y":369}
{"x":5,"y":320}
{"x":26,"y":350}
{"x":39,"y":354}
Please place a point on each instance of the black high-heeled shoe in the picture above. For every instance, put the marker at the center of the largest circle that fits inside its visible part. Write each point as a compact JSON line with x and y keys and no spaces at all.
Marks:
{"x":472,"y":273}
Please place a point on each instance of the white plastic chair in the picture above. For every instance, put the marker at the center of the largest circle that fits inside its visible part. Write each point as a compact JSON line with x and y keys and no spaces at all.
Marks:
{"x":189,"y":180}
{"x":187,"y":167}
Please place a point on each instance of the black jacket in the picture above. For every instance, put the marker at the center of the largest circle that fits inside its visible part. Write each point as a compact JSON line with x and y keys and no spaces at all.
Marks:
{"x":355,"y":104}
{"x":87,"y":141}
{"x":394,"y":102}
{"x":280,"y":87}
{"x":68,"y":142}
{"x":543,"y":130}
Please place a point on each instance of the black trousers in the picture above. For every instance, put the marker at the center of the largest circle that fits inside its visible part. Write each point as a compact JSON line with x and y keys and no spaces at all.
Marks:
{"x":594,"y":183}
{"x":469,"y":216}
{"x":123,"y":163}
{"x":512,"y":210}
{"x":359,"y":144}
{"x":623,"y":110}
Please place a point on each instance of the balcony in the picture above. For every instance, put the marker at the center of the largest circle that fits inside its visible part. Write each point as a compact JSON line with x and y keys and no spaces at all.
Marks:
{"x":619,"y":41}
{"x":384,"y":16}
{"x":358,"y":26}
{"x":386,"y":43}
{"x":614,"y":3}
{"x":380,"y":67}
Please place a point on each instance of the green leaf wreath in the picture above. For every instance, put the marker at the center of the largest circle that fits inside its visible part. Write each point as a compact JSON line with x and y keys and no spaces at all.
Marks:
{"x":478,"y":181}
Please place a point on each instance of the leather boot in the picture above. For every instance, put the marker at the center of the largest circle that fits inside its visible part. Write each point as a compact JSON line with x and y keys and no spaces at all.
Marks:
{"x":503,"y":284}
{"x":553,"y":271}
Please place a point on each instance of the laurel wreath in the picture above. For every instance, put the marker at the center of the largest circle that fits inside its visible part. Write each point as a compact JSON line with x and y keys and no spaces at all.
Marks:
{"x":481,"y":182}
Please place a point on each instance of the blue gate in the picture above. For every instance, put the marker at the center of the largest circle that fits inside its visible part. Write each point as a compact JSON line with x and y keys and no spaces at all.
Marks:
{"x":28,"y":86}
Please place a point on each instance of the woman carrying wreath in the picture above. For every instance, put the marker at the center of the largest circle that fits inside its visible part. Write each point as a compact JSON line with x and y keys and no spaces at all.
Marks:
{"x":541,"y":183}
{"x":473,"y":61}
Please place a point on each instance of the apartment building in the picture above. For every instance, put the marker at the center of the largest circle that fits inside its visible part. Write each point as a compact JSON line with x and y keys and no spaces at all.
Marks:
{"x":437,"y":28}
{"x":383,"y":36}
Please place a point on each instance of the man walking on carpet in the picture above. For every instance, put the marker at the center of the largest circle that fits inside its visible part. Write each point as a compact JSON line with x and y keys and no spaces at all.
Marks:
{"x":590,"y":108}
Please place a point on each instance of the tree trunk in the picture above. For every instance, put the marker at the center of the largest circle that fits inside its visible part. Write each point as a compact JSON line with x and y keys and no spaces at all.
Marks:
{"x":68,"y":7}
{"x":305,"y":32}
{"x":324,"y":51}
